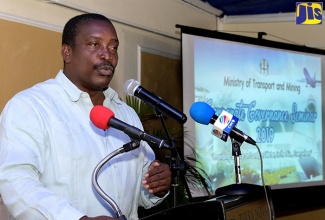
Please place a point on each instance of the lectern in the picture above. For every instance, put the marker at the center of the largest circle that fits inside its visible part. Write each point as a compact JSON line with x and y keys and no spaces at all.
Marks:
{"x":234,"y":206}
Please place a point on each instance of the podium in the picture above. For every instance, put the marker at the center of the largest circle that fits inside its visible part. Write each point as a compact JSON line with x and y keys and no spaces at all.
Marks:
{"x":231,"y":206}
{"x":238,"y":201}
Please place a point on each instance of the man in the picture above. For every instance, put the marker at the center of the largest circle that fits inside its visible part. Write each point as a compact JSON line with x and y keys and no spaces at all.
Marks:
{"x":49,"y":147}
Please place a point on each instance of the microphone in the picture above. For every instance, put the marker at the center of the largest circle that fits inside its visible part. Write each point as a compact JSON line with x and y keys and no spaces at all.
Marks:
{"x":133,"y":88}
{"x":203,"y":113}
{"x":103,"y":118}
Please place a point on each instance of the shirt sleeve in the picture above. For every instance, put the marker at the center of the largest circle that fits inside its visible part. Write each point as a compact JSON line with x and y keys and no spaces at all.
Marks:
{"x":22,"y":153}
{"x":146,"y":199}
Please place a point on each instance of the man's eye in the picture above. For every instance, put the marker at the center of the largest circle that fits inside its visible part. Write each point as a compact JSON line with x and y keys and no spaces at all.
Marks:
{"x":93,"y":44}
{"x":113,"y":49}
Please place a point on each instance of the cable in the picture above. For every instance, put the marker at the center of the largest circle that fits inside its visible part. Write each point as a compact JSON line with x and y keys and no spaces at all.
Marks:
{"x":271,"y":211}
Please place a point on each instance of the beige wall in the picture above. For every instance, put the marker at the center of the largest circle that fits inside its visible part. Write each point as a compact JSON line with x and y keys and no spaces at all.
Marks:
{"x":279,"y":27}
{"x":147,"y":25}
{"x":28,"y":55}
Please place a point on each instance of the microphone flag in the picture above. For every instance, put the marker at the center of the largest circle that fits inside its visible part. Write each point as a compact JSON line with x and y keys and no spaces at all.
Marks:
{"x":224,"y":125}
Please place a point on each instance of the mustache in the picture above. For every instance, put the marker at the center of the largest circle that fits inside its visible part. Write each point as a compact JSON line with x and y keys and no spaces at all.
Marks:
{"x":106,"y":64}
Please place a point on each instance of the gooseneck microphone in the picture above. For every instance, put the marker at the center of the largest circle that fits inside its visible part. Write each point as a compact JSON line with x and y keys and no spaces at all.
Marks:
{"x":103,"y":118}
{"x":203,"y":113}
{"x":133,"y":88}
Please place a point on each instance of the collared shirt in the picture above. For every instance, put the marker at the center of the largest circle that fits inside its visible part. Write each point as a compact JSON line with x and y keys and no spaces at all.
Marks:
{"x":49,"y":149}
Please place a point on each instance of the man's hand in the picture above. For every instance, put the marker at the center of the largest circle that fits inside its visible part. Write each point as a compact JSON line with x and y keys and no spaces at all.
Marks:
{"x":98,"y":218}
{"x":158,"y":178}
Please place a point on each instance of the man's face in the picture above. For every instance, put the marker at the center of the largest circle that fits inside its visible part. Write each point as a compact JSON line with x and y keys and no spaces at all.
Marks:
{"x":91,"y":63}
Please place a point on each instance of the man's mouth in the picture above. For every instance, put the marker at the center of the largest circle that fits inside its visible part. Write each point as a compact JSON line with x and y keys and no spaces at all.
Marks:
{"x":105,"y":69}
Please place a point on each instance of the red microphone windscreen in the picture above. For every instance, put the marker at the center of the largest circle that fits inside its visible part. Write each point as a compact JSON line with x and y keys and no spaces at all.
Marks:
{"x":100,"y":115}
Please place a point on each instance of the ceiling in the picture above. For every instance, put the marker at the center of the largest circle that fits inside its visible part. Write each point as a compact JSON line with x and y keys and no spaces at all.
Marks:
{"x":223,"y":8}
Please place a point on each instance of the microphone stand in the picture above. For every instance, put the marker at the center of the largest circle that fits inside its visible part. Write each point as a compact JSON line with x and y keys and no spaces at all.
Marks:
{"x":177,"y":165}
{"x":239,"y":188}
{"x":243,"y":189}
{"x":236,"y":153}
{"x":125,"y":148}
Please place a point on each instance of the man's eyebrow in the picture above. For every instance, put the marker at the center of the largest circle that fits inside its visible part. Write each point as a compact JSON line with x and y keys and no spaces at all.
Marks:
{"x":115,"y":40}
{"x":95,"y":37}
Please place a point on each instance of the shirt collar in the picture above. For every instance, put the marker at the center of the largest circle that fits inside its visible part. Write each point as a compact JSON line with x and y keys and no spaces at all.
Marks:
{"x":75,"y":93}
{"x":71,"y":89}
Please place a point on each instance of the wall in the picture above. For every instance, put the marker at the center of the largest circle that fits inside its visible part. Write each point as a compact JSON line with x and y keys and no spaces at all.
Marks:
{"x":148,"y":24}
{"x":26,"y":58}
{"x":30,"y":35}
{"x":30,"y":32}
{"x":278,"y":27}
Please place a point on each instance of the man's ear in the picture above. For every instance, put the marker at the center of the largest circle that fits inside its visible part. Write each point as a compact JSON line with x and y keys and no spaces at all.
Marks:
{"x":66,"y":53}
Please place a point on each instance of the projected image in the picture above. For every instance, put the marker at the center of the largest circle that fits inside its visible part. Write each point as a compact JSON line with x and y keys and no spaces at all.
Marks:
{"x":277,"y":96}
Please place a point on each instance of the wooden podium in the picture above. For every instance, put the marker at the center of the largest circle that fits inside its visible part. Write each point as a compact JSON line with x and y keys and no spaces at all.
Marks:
{"x":231,"y":203}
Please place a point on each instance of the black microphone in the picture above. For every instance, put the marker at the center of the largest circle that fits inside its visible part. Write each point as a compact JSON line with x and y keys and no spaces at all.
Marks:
{"x":203,"y":113}
{"x":133,"y":88}
{"x":103,"y":118}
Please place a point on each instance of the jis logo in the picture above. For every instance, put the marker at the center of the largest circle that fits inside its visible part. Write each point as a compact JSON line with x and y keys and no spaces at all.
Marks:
{"x":309,"y":12}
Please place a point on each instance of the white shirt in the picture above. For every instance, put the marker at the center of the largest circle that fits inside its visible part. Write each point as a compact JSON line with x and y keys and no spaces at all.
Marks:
{"x":49,"y":149}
